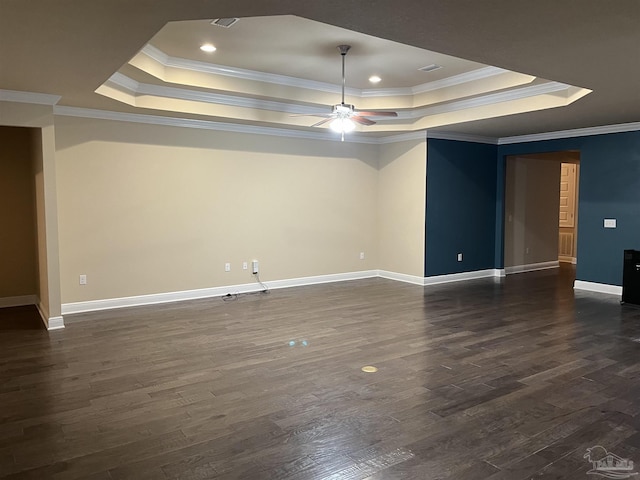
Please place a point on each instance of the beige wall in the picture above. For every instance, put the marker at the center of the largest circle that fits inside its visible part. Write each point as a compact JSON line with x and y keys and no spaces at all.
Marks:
{"x":531,"y":210}
{"x":401,"y":207}
{"x":150,"y":209}
{"x":18,"y":252}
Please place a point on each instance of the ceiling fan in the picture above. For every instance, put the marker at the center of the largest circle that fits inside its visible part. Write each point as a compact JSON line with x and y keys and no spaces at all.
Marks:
{"x":343,"y":116}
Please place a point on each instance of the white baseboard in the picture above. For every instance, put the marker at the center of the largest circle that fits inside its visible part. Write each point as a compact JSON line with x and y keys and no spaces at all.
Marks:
{"x":55,"y":323}
{"x":401,"y":277}
{"x":51,"y":323}
{"x":598,"y":287}
{"x":19,"y":301}
{"x":532,"y":267}
{"x":565,"y":259}
{"x":459,"y":277}
{"x":336,"y":277}
{"x":139,"y":300}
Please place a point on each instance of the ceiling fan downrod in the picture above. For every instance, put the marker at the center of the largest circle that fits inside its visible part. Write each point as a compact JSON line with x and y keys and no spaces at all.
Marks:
{"x":343,"y":51}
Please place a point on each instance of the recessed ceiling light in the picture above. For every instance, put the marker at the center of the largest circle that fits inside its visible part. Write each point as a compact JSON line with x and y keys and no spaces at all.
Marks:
{"x":207,"y":47}
{"x":374,"y":79}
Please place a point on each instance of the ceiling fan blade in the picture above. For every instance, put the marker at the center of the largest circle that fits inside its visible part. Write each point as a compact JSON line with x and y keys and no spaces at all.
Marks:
{"x":322,"y":122}
{"x":320,"y":115}
{"x":362,"y":120}
{"x":374,"y":113}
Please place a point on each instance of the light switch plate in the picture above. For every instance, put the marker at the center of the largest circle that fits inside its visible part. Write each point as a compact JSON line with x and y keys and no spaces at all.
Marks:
{"x":610,"y":223}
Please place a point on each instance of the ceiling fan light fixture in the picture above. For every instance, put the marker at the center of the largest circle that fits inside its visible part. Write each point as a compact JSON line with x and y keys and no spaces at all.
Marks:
{"x":342,"y":125}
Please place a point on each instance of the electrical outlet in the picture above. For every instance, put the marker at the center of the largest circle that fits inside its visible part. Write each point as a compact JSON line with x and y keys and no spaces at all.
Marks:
{"x":227,"y":267}
{"x":361,"y":255}
{"x":459,"y":257}
{"x":245,"y":265}
{"x":254,"y":266}
{"x":83,"y":279}
{"x":526,"y":251}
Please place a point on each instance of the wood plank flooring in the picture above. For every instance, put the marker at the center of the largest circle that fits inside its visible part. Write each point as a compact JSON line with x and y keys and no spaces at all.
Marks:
{"x":489,"y":379}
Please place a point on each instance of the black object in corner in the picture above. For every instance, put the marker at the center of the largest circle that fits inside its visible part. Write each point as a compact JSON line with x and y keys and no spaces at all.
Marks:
{"x":631,"y":277}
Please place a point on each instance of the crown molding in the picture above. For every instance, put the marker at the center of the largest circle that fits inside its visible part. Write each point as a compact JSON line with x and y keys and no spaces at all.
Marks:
{"x":253,"y":75}
{"x":241,"y":73}
{"x":461,"y":137}
{"x":324,"y":135}
{"x":403,"y":137}
{"x":137,"y":88}
{"x":484,"y":100}
{"x":578,"y":132}
{"x":120,"y":80}
{"x":28,"y":97}
{"x":133,"y":87}
{"x":472,"y":76}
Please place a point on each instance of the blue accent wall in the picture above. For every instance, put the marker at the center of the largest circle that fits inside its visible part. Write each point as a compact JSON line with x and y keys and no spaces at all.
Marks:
{"x":609,"y":188}
{"x":462,"y":181}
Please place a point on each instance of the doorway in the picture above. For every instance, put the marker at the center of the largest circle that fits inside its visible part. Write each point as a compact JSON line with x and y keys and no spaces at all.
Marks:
{"x":19,"y":283}
{"x":541,"y":211}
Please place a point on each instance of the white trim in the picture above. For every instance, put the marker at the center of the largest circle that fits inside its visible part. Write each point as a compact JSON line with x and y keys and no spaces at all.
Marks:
{"x":472,"y":76}
{"x":253,"y":75}
{"x":354,"y":138}
{"x":242,"y":74}
{"x":55,"y":323}
{"x":459,"y":277}
{"x":461,"y":137}
{"x":484,"y":100}
{"x":567,"y":259}
{"x":578,"y":132}
{"x":597,"y":287}
{"x":401,"y":277}
{"x":18,"y":301}
{"x":323,"y":134}
{"x":28,"y":97}
{"x":51,"y":323}
{"x":120,"y":81}
{"x":403,"y":137}
{"x":336,"y":277}
{"x":532,"y":267}
{"x":156,"y":298}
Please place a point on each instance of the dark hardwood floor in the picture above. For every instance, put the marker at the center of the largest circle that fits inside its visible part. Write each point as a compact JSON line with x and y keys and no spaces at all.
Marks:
{"x":486,"y":379}
{"x":20,"y":318}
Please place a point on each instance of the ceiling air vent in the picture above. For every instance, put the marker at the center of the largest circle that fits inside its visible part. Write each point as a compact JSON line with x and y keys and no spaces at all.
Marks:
{"x":224,"y":22}
{"x":430,"y":68}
